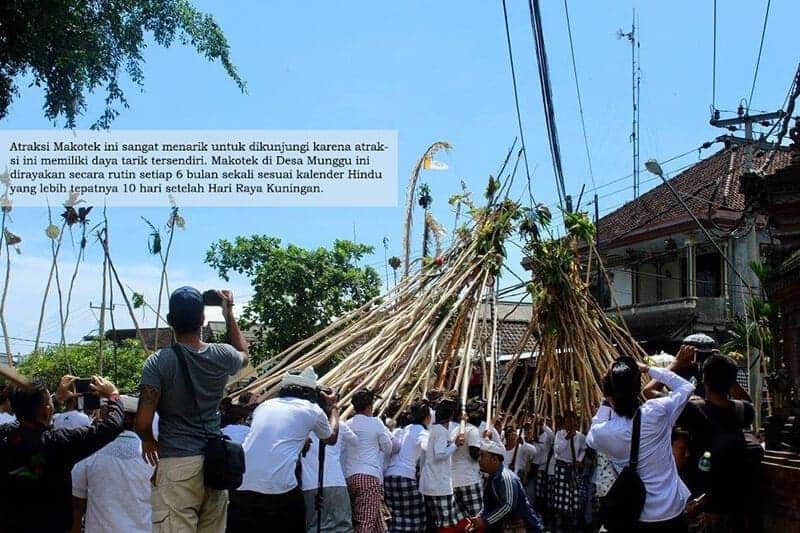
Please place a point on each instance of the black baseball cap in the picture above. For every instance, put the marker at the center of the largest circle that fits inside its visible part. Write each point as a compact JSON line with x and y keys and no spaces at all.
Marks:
{"x":186,"y":308}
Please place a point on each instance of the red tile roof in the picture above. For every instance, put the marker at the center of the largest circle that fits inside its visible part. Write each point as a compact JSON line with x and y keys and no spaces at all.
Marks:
{"x":709,"y":187}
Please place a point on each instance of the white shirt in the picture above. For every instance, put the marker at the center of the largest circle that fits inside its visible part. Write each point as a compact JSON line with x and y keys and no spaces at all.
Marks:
{"x":333,"y":475}
{"x":465,"y":469}
{"x":611,"y":435}
{"x":374,"y":443}
{"x":411,"y":441}
{"x":272,"y":447}
{"x":237,"y":432}
{"x":71,"y":420}
{"x":543,"y":445}
{"x":435,"y":476}
{"x":525,"y":453}
{"x":7,"y":418}
{"x":562,"y":450}
{"x":493,"y":433}
{"x":115,"y":481}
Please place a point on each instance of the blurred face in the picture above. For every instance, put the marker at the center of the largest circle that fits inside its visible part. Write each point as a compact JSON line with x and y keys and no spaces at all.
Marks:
{"x":488,"y":462}
{"x":47,"y":410}
{"x":680,"y":450}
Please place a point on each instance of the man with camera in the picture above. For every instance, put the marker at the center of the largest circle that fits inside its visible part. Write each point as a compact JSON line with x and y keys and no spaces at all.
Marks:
{"x":184,"y":384}
{"x":270,"y":496}
{"x":36,"y":460}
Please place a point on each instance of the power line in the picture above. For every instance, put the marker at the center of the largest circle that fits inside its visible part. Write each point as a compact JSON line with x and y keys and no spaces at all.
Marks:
{"x":516,"y":102}
{"x":758,"y":60}
{"x":30,"y":341}
{"x":578,"y":91}
{"x":627,"y":176}
{"x":547,"y":102}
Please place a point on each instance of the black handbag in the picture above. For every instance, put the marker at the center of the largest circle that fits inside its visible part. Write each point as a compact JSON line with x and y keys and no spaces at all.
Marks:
{"x":223,"y":466}
{"x":622,"y":506}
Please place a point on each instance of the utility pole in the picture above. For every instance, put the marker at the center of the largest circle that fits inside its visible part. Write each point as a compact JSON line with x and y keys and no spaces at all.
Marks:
{"x":101,"y":321}
{"x":745,"y":119}
{"x":636,"y":78}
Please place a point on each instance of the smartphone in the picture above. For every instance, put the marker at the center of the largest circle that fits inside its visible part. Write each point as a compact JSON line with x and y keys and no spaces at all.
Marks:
{"x":82,"y":385}
{"x":91,"y":400}
{"x":212,"y":298}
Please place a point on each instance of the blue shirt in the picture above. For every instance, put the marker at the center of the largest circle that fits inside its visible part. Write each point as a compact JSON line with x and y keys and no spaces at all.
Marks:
{"x":505,"y":499}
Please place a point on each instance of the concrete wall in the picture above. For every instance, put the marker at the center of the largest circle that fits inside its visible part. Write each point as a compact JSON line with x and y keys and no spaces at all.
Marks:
{"x":671,"y":282}
{"x":622,"y":286}
{"x":741,"y":251}
{"x":648,"y":284}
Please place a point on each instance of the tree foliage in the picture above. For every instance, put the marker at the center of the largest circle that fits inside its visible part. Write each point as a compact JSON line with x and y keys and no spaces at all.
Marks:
{"x":73,"y":47}
{"x":124,"y":368}
{"x":296,"y":292}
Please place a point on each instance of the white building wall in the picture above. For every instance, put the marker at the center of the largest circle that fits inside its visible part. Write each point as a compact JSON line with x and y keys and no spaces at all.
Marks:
{"x":622,"y":286}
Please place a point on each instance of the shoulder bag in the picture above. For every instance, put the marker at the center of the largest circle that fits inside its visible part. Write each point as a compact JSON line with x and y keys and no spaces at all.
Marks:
{"x":223,"y":467}
{"x":622,"y":506}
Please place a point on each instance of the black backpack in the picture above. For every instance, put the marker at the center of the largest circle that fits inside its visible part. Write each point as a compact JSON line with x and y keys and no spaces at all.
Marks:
{"x":732,"y":450}
{"x":622,"y":506}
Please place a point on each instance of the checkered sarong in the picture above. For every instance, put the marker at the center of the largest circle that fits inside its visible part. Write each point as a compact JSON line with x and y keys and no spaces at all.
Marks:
{"x":366,"y":498}
{"x":469,"y":498}
{"x":567,"y":489}
{"x":541,"y":483}
{"x":443,"y":511}
{"x":405,"y":503}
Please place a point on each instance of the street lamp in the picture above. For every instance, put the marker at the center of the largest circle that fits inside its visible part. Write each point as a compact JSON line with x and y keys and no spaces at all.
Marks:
{"x":653,"y":167}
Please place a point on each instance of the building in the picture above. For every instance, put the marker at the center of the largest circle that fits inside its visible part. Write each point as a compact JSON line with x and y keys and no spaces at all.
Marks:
{"x":667,"y":279}
{"x":778,"y":196}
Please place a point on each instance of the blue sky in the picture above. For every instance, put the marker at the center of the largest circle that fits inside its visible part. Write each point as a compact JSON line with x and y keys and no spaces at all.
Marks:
{"x":432,"y":71}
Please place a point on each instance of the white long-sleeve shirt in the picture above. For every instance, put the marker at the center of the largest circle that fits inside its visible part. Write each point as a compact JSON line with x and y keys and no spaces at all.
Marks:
{"x":332,"y":475}
{"x":611,"y":435}
{"x":543,"y":445}
{"x":411,"y":441}
{"x":562,"y":449}
{"x":435,"y":476}
{"x":374,"y":444}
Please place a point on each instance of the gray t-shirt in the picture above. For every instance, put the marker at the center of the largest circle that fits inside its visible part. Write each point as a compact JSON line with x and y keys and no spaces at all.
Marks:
{"x":184,"y":426}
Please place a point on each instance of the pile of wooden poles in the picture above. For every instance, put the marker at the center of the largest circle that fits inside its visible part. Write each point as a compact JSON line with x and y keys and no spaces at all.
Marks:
{"x":576,"y":341}
{"x":425,"y":333}
{"x":417,"y":336}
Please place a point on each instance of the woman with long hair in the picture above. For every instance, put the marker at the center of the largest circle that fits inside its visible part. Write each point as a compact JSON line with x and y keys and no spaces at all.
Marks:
{"x":611,"y":430}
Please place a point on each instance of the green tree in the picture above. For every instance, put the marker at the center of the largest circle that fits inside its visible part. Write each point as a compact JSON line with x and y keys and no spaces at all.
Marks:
{"x":296,"y":292}
{"x":74,"y":47}
{"x":124,"y":367}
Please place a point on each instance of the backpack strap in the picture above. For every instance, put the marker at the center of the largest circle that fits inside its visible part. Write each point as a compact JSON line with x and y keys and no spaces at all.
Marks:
{"x":181,"y":357}
{"x":572,"y":449}
{"x":635,"y":434}
{"x":738,"y":406}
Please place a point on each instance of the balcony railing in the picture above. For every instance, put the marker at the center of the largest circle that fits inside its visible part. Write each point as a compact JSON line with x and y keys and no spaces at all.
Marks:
{"x":703,"y":309}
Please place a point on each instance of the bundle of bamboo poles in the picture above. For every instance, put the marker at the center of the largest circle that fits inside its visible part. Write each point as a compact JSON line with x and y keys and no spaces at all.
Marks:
{"x":576,"y":339}
{"x":419,"y":335}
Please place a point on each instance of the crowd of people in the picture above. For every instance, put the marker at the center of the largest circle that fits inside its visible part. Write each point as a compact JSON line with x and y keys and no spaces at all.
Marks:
{"x":138,"y":463}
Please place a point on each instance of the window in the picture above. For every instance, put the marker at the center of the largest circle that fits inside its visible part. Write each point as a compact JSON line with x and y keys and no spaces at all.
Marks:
{"x":708,"y":275}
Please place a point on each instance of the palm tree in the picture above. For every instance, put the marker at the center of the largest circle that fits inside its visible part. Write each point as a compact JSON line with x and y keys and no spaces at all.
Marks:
{"x":425,"y":200}
{"x":395,"y":263}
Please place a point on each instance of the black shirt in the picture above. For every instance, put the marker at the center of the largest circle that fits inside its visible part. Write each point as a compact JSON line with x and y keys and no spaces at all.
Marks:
{"x":719,"y":430}
{"x":35,"y":471}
